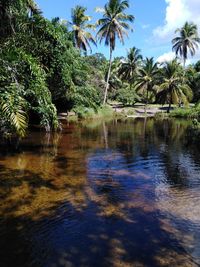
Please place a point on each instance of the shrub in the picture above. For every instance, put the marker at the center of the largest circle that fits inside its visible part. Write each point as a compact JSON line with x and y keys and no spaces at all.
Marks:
{"x":127,"y":96}
{"x":186,"y":112}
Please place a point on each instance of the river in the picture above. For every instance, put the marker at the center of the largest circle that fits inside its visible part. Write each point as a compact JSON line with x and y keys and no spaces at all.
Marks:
{"x":102,"y":193}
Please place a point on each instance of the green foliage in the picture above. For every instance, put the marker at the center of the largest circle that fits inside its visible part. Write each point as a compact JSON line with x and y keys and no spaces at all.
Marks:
{"x":98,"y":61}
{"x":193,"y":80}
{"x":173,"y":89}
{"x":39,"y":57}
{"x":187,"y":113}
{"x":13,"y":109}
{"x":105,"y":111}
{"x":187,"y":41}
{"x":114,"y":22}
{"x":127,"y":95}
{"x":129,"y":66}
{"x":85,"y":96}
{"x":147,"y":79}
{"x":181,"y":113}
{"x":196,"y":123}
{"x":30,"y":80}
{"x":80,"y":25}
{"x":88,"y":113}
{"x":84,"y":112}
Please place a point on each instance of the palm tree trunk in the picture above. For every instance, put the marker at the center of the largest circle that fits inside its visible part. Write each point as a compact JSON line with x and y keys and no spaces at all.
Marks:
{"x":184,"y":63}
{"x":105,"y":133}
{"x":169,"y":107}
{"x":146,"y":102}
{"x":108,"y":77}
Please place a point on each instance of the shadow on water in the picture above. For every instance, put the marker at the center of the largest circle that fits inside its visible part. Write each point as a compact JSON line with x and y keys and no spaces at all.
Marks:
{"x":112,"y":196}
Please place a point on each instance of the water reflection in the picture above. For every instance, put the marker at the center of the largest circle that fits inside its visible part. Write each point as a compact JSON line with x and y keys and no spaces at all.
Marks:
{"x":119,"y":193}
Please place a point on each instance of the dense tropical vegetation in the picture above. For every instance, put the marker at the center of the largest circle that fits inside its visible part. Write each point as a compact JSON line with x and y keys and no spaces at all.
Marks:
{"x":45,"y":67}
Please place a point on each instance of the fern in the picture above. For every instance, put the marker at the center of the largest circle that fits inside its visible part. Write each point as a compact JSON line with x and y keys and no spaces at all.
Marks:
{"x":14,"y":111}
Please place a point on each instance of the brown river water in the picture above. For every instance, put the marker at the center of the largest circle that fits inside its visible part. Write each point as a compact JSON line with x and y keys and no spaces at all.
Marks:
{"x":117,"y":193}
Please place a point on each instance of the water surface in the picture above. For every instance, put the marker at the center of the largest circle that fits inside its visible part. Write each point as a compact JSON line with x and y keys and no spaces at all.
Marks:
{"x":118,"y":193}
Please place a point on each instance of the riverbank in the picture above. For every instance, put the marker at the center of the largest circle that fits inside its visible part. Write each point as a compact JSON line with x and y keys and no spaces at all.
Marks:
{"x":117,"y":110}
{"x":114,"y":109}
{"x":139,"y":110}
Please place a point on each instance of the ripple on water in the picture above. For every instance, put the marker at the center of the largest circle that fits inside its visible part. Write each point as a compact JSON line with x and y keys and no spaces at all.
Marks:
{"x":118,"y":194}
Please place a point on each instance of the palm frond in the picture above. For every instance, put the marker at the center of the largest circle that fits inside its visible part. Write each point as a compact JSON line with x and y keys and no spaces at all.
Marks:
{"x":79,"y":27}
{"x":113,"y":24}
{"x":187,"y":41}
{"x":14,"y":110}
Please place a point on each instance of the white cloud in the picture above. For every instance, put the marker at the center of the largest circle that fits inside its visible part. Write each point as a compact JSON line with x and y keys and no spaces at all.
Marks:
{"x":177,"y":13}
{"x":166,"y":57}
{"x":169,"y":56}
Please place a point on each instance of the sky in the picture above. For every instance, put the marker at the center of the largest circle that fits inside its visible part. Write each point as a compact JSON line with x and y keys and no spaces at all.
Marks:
{"x":153,"y":28}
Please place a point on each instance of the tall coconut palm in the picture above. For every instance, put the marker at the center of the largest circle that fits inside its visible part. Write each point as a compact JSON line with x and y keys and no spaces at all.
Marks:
{"x":173,"y":89}
{"x":187,"y":41}
{"x":80,"y":24}
{"x":147,"y":77}
{"x":129,"y":66}
{"x":113,"y":25}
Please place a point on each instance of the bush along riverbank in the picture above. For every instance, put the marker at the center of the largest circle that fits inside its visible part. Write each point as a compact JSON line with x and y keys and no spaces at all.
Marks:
{"x":189,"y":113}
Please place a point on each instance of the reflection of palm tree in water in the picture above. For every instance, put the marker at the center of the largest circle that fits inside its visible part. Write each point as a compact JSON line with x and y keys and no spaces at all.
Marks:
{"x":51,"y":142}
{"x":105,"y":134}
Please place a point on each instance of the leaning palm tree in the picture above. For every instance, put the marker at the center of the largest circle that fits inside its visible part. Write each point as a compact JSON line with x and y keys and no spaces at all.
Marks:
{"x":187,"y":41}
{"x":82,"y":37}
{"x":129,"y":66}
{"x":147,"y":77}
{"x":173,"y":88}
{"x":113,"y":25}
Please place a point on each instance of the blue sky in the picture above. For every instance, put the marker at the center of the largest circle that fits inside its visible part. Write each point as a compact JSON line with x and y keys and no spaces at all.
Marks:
{"x":154,"y":26}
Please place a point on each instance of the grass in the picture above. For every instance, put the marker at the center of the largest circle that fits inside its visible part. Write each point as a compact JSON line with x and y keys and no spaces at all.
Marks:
{"x":90,"y":113}
{"x":191,"y":113}
{"x":105,"y":111}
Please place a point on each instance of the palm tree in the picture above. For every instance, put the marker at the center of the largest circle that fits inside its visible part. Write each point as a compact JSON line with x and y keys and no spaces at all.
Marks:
{"x":129,"y":66}
{"x":113,"y":25}
{"x":147,"y":76}
{"x":79,"y":25}
{"x":32,"y":7}
{"x":173,"y":88}
{"x":187,"y":41}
